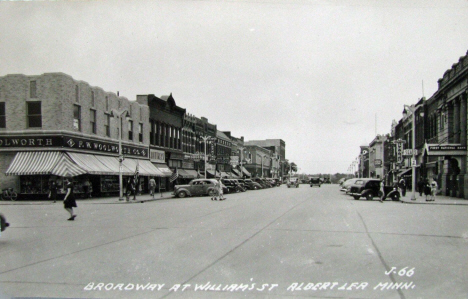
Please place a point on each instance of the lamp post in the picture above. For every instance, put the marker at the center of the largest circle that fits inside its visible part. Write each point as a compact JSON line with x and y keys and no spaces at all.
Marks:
{"x":205,"y":139}
{"x":412,"y":109}
{"x":118,"y":114}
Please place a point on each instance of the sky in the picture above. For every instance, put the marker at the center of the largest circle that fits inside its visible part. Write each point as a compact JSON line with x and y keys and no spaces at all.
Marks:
{"x":324,"y":76}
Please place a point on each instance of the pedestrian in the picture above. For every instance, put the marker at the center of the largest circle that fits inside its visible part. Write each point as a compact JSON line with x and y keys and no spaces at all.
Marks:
{"x":128,"y":188}
{"x":87,"y":188}
{"x":427,"y":188}
{"x":53,"y":190}
{"x":69,"y":201}
{"x":215,"y":191}
{"x":135,"y":187}
{"x":402,"y":185}
{"x":434,"y":188}
{"x":220,"y":190}
{"x":421,"y":187}
{"x":152,"y":186}
{"x":382,"y":190}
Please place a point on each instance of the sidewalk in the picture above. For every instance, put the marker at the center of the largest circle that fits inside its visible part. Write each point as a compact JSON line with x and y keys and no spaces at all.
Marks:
{"x":439,"y":200}
{"x":96,"y":200}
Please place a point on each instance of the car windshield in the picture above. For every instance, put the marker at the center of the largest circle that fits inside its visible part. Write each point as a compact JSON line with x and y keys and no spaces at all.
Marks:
{"x":359,"y":182}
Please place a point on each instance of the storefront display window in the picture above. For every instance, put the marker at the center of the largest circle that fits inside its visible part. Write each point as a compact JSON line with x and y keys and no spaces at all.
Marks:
{"x":109,"y":183}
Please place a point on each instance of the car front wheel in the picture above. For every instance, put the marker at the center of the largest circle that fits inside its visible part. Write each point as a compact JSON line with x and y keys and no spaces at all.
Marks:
{"x":182,"y":194}
{"x":395,"y":197}
{"x":369,"y":196}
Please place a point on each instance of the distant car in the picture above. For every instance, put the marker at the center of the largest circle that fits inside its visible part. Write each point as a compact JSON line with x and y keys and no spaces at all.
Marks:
{"x":370,"y":188}
{"x":196,"y":187}
{"x":315,"y":181}
{"x":232,"y":185}
{"x":293,"y":182}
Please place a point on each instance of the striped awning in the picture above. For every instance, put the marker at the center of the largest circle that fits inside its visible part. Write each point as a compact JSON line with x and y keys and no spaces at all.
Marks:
{"x":187,"y":173}
{"x":224,"y":174}
{"x":145,"y":167}
{"x":164,"y":169}
{"x":43,"y":163}
{"x":245,"y":171}
{"x":65,"y":167}
{"x":91,"y":163}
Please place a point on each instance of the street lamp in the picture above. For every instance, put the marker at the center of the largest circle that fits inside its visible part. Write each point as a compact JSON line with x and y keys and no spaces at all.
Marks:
{"x":412,"y":109}
{"x":205,"y":139}
{"x":119,"y":114}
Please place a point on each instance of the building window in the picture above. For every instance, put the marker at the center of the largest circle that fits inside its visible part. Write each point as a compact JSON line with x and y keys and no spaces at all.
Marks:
{"x":107,"y":125}
{"x":130,"y":130}
{"x":34,"y":115}
{"x":151,"y":132}
{"x":107,"y":103}
{"x":93,"y":121}
{"x":77,"y":94}
{"x":141,"y":113}
{"x":76,"y":117}
{"x":33,"y":89}
{"x":2,"y":115}
{"x":93,"y":102}
{"x":140,"y":132}
{"x":130,"y":110}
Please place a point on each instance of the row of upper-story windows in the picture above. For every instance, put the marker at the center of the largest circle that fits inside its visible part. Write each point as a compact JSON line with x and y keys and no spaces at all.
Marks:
{"x":34,"y":119}
{"x":33,"y":95}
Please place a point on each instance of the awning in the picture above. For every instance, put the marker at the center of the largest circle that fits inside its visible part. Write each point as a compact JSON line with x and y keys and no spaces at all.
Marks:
{"x":232,"y":175}
{"x":113,"y":164}
{"x":145,"y":167}
{"x":224,"y":174}
{"x":245,"y":171}
{"x":164,"y":169}
{"x":236,"y":172}
{"x":404,"y":171}
{"x":91,"y":163}
{"x":65,"y":167}
{"x":213,"y":173}
{"x":187,"y":173}
{"x":43,"y":163}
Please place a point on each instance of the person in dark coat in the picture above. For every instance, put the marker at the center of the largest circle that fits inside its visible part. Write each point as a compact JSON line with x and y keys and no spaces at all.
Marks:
{"x":427,"y":188}
{"x":421,"y":187}
{"x":53,"y":190}
{"x":69,"y":201}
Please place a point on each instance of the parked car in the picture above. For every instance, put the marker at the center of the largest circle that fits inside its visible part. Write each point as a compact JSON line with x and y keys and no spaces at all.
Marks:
{"x":251,"y":185}
{"x":196,"y":187}
{"x":346,"y":186}
{"x":293,"y":182}
{"x":370,"y":188}
{"x":315,"y":181}
{"x":262,"y":183}
{"x":241,"y":183}
{"x":232,"y":185}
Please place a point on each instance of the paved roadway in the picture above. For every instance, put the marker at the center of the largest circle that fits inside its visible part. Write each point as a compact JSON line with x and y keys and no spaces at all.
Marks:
{"x":274,"y":243}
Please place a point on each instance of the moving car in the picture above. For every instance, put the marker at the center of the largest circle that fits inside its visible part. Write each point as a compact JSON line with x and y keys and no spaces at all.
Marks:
{"x":315,"y":181}
{"x":293,"y":182}
{"x":196,"y":187}
{"x":346,"y":186}
{"x":370,"y":188}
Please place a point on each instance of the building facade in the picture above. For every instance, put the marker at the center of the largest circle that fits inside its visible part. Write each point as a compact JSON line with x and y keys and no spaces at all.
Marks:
{"x":54,"y":126}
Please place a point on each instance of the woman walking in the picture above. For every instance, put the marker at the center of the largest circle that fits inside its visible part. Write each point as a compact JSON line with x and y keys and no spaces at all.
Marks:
{"x":220,"y":190}
{"x":69,"y":200}
{"x":53,"y":190}
{"x":434,"y":188}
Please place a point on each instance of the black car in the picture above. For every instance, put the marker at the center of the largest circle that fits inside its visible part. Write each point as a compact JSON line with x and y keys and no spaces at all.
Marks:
{"x":370,"y":188}
{"x":315,"y":181}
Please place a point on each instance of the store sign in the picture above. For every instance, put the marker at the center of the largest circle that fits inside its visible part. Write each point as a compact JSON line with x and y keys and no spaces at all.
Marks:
{"x":176,"y":156}
{"x":188,"y":165}
{"x":378,"y":163}
{"x":234,"y":160}
{"x":447,"y":148}
{"x":100,"y":146}
{"x":30,"y":141}
{"x":409,"y":152}
{"x":157,"y":156}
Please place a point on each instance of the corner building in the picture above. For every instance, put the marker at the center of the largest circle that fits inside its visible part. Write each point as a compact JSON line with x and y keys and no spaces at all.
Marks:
{"x":53,"y":126}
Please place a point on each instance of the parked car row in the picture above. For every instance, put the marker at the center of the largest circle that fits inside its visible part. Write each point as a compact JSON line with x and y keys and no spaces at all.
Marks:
{"x":201,"y":187}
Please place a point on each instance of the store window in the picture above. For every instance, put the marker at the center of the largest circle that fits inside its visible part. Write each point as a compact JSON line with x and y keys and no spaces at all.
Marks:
{"x":93,"y":120}
{"x":76,"y":117}
{"x":107,"y":125}
{"x":175,"y":163}
{"x":130,"y":130}
{"x":2,"y":115}
{"x":140,"y":132}
{"x":33,"y":89}
{"x":34,"y":115}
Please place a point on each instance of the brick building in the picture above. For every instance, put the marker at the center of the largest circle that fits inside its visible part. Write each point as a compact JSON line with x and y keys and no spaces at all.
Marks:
{"x":52,"y":119}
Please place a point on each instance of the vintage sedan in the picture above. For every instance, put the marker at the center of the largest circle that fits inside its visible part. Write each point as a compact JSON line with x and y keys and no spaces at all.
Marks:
{"x":196,"y":187}
{"x":370,"y":188}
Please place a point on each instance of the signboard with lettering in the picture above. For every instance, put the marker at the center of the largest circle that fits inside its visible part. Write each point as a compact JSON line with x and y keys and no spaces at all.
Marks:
{"x":30,"y":141}
{"x":409,"y":152}
{"x":447,"y":148}
{"x":378,"y":163}
{"x":157,"y":156}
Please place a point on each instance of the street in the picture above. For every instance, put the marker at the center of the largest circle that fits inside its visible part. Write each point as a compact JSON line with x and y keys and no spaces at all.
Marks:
{"x":279,"y":242}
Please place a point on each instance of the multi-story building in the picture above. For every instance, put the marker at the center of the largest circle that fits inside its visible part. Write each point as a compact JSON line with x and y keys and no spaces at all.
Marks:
{"x":166,"y":121}
{"x":277,"y":148}
{"x":259,"y":164}
{"x":53,"y":126}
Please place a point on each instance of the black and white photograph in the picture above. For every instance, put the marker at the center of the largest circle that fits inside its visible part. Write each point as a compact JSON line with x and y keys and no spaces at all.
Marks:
{"x":233,"y":149}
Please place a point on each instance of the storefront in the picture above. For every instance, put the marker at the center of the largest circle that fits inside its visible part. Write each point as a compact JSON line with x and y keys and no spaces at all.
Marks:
{"x":92,"y":165}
